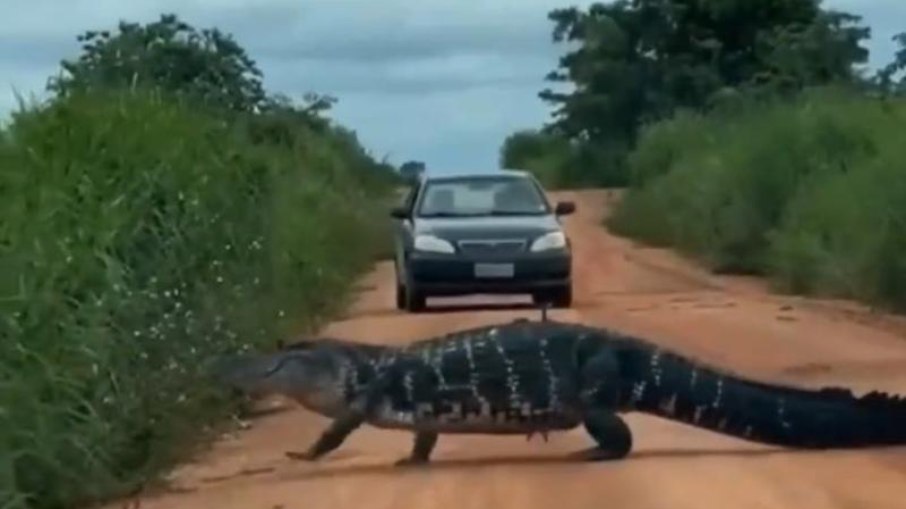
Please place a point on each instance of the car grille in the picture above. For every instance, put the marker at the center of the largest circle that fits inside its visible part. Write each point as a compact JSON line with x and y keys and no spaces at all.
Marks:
{"x":491,"y":247}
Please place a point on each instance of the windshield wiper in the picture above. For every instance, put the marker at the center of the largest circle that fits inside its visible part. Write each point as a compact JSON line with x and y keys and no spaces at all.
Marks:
{"x":515,"y":212}
{"x":450,"y":214}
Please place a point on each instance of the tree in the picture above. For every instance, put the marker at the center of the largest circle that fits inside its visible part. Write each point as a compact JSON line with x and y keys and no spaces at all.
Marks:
{"x":559,"y":163}
{"x":635,"y":62}
{"x":823,"y":51}
{"x":168,"y":55}
{"x":522,"y":147}
{"x":411,"y":170}
{"x":638,"y":61}
{"x":886,"y":77}
{"x":281,"y":113}
{"x":543,"y":154}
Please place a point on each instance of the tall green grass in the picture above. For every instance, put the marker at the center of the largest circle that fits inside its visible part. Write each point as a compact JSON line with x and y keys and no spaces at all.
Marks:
{"x":811,"y":193}
{"x":139,"y":239}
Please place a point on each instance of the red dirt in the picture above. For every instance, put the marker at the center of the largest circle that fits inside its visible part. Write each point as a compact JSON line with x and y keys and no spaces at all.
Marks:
{"x":731,"y":321}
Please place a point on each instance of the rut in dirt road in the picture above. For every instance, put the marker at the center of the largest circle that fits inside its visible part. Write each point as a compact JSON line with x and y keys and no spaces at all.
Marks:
{"x":721,"y":321}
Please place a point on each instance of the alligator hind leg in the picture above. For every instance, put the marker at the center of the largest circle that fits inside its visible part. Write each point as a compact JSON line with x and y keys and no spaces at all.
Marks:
{"x":598,"y":395}
{"x":612,"y":434}
{"x":422,"y":446}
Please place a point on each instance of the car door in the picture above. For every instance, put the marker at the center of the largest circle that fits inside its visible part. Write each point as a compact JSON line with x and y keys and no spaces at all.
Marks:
{"x":405,"y":228}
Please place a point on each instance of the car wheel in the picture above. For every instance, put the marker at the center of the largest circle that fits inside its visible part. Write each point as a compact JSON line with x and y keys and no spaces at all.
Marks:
{"x":539,"y":298}
{"x":400,"y":289}
{"x":559,"y":297}
{"x":400,"y":296}
{"x":414,"y":299}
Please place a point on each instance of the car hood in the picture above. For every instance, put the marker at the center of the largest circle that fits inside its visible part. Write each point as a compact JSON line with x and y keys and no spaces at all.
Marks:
{"x":458,"y":228}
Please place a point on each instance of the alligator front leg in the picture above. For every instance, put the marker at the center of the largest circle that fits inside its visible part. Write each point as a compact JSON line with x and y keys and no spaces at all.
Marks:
{"x":331,"y":438}
{"x":422,"y":446}
{"x":340,"y":429}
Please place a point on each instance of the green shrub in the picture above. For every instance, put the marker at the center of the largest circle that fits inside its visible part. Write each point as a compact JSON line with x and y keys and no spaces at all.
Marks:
{"x":139,"y":239}
{"x":807,"y":191}
{"x":664,"y":142}
{"x":845,"y":235}
{"x":561,"y":164}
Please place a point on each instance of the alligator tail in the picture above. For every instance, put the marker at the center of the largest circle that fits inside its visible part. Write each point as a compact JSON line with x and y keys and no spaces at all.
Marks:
{"x":670,"y":386}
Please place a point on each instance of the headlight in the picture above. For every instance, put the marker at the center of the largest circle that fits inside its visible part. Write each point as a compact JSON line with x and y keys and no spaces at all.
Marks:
{"x":553,"y":240}
{"x":433,"y":244}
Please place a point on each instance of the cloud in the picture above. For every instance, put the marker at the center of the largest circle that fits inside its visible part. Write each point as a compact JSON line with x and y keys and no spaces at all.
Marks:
{"x":443,"y":81}
{"x":400,"y":37}
{"x":414,"y":77}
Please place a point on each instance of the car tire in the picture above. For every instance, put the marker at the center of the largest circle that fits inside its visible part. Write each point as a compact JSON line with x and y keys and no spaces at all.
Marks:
{"x":408,"y":297}
{"x":414,"y":300}
{"x":561,"y":297}
{"x":400,"y":296}
{"x":400,"y":289}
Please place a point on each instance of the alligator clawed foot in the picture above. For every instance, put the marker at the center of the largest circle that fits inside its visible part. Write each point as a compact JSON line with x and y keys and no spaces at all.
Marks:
{"x":593,"y":454}
{"x":300,"y":456}
{"x":409,"y":461}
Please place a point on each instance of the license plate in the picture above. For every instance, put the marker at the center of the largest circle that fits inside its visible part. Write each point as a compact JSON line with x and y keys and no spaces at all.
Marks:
{"x":493,"y":270}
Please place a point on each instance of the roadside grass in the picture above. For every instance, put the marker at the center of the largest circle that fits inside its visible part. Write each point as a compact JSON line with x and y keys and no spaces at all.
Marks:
{"x":141,"y":238}
{"x":810,"y":193}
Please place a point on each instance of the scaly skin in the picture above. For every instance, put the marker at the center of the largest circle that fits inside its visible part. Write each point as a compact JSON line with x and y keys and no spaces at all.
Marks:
{"x":528,"y":377}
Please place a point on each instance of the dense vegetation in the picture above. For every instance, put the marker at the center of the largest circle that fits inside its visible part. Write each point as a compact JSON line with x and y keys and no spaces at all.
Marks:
{"x":159,"y":209}
{"x":634,"y":63}
{"x":745,"y":132}
{"x":811,"y":192}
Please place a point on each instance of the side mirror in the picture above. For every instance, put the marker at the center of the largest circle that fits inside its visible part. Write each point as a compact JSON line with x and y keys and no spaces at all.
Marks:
{"x":399,"y":213}
{"x":565,"y":208}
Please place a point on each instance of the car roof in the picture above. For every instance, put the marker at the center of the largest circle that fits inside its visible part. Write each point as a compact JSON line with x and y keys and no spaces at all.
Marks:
{"x":457,"y":174}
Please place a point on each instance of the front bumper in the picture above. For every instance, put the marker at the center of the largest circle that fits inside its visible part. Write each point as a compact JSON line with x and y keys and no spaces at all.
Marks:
{"x":454,"y":274}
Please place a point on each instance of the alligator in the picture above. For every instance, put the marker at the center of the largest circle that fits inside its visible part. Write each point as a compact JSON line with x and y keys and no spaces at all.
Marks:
{"x":536,"y":377}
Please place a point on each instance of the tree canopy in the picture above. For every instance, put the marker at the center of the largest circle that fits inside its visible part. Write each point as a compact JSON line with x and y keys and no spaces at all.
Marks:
{"x":637,"y":61}
{"x":169,"y":54}
{"x":411,"y":170}
{"x":892,"y":78}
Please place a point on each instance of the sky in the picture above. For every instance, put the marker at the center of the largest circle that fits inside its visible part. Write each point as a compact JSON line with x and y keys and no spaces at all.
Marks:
{"x":440,"y":81}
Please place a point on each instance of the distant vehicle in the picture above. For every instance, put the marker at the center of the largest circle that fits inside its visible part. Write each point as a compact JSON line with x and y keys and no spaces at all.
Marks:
{"x":481,"y":233}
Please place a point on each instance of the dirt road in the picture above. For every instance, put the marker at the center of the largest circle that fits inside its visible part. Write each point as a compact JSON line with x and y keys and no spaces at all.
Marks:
{"x":731,"y":321}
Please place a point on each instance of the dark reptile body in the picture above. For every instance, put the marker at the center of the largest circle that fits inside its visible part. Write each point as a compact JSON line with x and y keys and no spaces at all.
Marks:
{"x":490,"y":380}
{"x":526,"y":377}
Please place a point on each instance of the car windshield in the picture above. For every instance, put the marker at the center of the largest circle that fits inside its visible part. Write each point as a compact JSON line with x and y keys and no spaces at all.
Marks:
{"x":482,"y":196}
